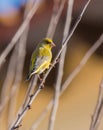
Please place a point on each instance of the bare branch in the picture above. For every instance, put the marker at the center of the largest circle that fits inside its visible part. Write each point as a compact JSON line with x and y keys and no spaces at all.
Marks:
{"x":30,"y":90}
{"x":18,"y":78}
{"x":65,"y":85}
{"x":6,"y":88}
{"x":57,"y":10}
{"x":98,"y":113}
{"x":20,"y":31}
{"x":21,"y":57}
{"x":31,"y":86}
{"x":10,"y":46}
{"x":83,"y":62}
{"x":23,"y":112}
{"x":65,"y":42}
{"x":61,"y":66}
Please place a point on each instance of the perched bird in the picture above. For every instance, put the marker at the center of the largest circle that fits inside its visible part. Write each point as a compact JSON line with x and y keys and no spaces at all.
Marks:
{"x":41,"y":57}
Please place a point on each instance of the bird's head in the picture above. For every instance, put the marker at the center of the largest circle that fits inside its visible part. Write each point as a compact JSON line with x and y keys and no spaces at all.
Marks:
{"x":48,"y":42}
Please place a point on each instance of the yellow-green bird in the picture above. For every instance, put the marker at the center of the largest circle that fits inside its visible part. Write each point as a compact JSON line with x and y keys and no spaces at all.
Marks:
{"x":41,"y":57}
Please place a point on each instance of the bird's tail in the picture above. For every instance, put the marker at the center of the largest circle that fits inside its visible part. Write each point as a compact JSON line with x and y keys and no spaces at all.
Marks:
{"x":28,"y":77}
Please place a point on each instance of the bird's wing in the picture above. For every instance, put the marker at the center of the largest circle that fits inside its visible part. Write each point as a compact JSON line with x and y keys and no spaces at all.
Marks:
{"x":40,"y":60}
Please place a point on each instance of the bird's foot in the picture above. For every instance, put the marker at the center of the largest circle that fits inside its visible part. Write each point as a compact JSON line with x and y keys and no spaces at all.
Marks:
{"x":40,"y":79}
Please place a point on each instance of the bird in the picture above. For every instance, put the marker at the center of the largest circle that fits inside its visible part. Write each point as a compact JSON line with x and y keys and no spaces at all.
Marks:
{"x":41,"y":58}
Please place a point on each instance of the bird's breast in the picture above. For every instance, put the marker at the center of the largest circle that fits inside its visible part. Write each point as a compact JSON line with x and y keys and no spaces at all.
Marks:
{"x":45,"y":52}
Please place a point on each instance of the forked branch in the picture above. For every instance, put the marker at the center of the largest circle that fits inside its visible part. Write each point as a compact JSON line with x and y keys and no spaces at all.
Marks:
{"x":32,"y":97}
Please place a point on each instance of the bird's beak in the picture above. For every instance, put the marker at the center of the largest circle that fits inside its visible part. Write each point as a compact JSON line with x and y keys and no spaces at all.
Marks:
{"x":52,"y":44}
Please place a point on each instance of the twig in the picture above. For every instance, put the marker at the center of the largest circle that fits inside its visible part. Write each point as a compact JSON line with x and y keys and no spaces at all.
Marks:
{"x":13,"y":42}
{"x":50,"y":33}
{"x":83,"y":62}
{"x":98,"y":113}
{"x":65,"y":41}
{"x":23,"y":112}
{"x":30,"y":90}
{"x":6,"y":88}
{"x":18,"y":77}
{"x":57,"y":10}
{"x":29,"y":93}
{"x":8,"y":81}
{"x":60,"y":69}
{"x":21,"y":58}
{"x":29,"y":5}
{"x":19,"y":32}
{"x":65,"y":85}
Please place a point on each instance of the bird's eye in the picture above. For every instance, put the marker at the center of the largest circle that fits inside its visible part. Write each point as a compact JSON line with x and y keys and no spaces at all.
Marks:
{"x":48,"y":42}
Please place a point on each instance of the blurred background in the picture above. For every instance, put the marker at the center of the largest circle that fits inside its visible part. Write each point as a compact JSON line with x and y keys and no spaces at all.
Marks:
{"x":78,"y":102}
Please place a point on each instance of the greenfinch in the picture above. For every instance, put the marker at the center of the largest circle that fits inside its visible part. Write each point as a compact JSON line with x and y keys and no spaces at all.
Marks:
{"x":41,"y":57}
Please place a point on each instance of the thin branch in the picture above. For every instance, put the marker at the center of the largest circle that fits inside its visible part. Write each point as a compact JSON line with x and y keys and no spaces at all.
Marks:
{"x":23,"y":112}
{"x":13,"y":42}
{"x":57,"y":10}
{"x":18,"y":77}
{"x":30,"y":90}
{"x":83,"y":62}
{"x":65,"y":85}
{"x":21,"y":57}
{"x":65,"y":42}
{"x":29,"y":5}
{"x":55,"y":17}
{"x":6,"y":88}
{"x":98,"y":113}
{"x":61,"y":67}
{"x":19,"y":32}
{"x":27,"y":102}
